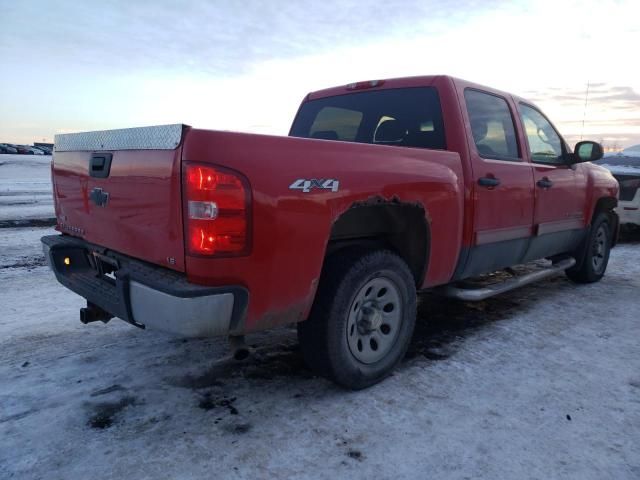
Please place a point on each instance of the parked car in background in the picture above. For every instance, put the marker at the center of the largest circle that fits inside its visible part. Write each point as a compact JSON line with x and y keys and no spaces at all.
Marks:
{"x":28,"y":150}
{"x":25,"y":149}
{"x":22,"y":149}
{"x":36,"y":151}
{"x":46,"y":150}
{"x":626,"y":169}
{"x":6,"y":148}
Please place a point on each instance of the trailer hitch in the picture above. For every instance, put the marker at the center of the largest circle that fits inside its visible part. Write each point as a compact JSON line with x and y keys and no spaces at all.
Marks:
{"x":93,"y":313}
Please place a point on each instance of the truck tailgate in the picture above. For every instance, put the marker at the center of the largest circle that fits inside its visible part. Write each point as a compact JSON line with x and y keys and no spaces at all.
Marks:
{"x":121,"y":189}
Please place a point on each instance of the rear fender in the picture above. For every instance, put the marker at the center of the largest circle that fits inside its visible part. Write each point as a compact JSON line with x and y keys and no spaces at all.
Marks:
{"x":292,"y":226}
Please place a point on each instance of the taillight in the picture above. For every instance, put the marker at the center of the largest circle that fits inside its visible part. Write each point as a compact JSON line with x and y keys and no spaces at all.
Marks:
{"x":217,"y":203}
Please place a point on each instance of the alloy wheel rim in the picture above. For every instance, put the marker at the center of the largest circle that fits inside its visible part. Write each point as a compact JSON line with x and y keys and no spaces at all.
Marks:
{"x":374,"y":321}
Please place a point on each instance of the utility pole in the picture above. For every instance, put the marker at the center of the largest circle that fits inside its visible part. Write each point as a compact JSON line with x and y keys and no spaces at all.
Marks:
{"x":584,"y":113}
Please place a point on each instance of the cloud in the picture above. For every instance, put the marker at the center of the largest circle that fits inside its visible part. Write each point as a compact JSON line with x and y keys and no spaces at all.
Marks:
{"x":603,"y":93}
{"x":224,"y":38}
{"x":621,"y":122}
{"x":605,"y":98}
{"x":246,"y":65}
{"x":611,"y":141}
{"x":625,"y":94}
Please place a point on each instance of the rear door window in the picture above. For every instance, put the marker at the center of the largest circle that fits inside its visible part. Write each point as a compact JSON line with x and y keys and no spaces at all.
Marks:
{"x":406,"y":117}
{"x":492,"y":125}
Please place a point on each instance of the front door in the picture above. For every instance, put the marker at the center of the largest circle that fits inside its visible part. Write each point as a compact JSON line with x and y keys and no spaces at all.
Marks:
{"x":560,"y":188}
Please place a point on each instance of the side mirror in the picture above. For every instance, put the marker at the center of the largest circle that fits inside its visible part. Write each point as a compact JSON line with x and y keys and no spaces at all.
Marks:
{"x":587,"y":151}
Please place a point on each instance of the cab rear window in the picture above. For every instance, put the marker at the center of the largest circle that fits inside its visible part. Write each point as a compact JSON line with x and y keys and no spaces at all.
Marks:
{"x":406,"y":117}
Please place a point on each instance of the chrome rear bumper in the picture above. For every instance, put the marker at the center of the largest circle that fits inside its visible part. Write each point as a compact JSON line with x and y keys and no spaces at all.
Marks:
{"x":142,"y":294}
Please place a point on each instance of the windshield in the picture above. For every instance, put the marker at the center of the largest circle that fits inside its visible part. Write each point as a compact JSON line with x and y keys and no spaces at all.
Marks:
{"x":407,"y":117}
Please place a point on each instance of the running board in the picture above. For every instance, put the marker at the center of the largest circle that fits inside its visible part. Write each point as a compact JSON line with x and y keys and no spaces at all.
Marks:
{"x":481,"y":293}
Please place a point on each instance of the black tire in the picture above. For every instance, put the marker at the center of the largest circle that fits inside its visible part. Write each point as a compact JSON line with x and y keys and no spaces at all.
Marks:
{"x":342,"y":303}
{"x":596,"y":253}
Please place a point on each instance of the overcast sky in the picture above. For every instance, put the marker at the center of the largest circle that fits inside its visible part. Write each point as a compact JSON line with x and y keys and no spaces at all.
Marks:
{"x":82,"y":65}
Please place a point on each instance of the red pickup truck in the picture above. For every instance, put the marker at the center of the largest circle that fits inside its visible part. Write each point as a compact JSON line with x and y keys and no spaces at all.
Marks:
{"x":382,"y":189}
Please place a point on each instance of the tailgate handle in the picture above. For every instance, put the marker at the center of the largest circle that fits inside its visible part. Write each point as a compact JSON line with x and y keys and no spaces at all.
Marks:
{"x":100,"y":165}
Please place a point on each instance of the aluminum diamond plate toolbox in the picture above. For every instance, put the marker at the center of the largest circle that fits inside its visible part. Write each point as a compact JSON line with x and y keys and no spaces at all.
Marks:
{"x":160,"y":137}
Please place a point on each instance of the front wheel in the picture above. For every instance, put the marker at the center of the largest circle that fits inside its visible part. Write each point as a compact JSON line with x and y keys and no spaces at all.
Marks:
{"x":362,"y":319}
{"x":596,"y":256}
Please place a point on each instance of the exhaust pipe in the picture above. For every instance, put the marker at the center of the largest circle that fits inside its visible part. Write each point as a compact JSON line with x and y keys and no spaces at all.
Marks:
{"x":239,"y":349}
{"x":93,"y":313}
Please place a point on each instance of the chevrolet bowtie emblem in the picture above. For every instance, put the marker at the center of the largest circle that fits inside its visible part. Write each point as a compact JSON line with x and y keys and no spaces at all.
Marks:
{"x":99,"y":197}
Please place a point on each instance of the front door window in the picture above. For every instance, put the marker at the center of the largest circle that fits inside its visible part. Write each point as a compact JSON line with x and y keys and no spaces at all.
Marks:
{"x":545,"y":145}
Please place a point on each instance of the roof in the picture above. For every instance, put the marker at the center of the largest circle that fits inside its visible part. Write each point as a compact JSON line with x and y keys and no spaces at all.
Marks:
{"x":401,"y":82}
{"x":408,"y":82}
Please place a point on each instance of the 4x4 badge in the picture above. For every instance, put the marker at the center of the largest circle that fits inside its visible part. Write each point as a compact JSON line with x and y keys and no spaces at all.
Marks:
{"x":308,"y":185}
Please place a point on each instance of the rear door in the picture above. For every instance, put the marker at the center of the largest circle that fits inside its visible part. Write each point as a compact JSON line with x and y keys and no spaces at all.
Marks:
{"x":560,"y":189}
{"x":502,"y":184}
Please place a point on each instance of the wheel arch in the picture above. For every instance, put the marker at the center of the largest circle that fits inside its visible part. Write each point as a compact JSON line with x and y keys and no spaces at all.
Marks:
{"x":399,"y":226}
{"x":607,"y":205}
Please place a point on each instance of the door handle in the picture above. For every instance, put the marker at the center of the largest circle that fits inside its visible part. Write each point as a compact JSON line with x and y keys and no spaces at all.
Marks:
{"x":544,"y":183}
{"x":488,"y":182}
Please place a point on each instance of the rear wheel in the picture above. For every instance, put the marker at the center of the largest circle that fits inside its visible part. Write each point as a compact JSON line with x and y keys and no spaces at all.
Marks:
{"x":596,"y":256}
{"x":362,"y":319}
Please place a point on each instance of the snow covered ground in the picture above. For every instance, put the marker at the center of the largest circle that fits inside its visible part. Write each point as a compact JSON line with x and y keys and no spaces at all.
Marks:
{"x":543,"y":382}
{"x":25,"y":188}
